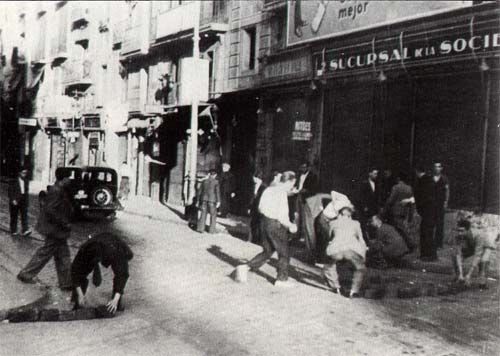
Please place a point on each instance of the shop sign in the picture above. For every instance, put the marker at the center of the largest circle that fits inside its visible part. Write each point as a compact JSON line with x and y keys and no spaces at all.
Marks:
{"x":314,"y":20}
{"x":414,"y":50}
{"x":27,"y":122}
{"x":302,"y":131}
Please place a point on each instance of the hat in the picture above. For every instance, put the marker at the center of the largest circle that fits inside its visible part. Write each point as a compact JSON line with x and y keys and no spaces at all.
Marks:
{"x":340,"y":205}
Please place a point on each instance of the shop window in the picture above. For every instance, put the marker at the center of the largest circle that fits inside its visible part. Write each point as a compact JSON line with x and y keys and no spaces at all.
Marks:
{"x":249,"y":48}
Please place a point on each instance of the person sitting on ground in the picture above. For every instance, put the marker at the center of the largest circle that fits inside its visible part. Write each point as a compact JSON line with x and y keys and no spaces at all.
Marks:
{"x":388,"y":242}
{"x":477,"y":243}
{"x":109,"y":250}
{"x":347,"y":244}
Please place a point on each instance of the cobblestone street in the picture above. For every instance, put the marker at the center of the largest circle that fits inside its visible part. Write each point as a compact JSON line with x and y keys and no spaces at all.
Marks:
{"x":181,"y":300}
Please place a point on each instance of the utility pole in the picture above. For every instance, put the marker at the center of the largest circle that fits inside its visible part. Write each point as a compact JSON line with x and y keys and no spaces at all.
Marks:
{"x":194,"y":111}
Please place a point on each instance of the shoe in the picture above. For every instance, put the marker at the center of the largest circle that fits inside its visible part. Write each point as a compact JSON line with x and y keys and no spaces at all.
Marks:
{"x":336,"y":290}
{"x":354,"y":295}
{"x":26,"y":280}
{"x":483,"y":286}
{"x":27,"y":233}
{"x":15,"y":233}
{"x":284,"y":284}
{"x":66,"y":288}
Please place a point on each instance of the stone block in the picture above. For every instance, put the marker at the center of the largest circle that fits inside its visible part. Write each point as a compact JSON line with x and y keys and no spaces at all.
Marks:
{"x":443,"y":290}
{"x":374,"y":293}
{"x":391,"y":290}
{"x":23,"y":315}
{"x":431,"y":290}
{"x":49,"y":315}
{"x":85,"y":314}
{"x":102,"y":312}
{"x":67,"y":315}
{"x":409,"y":292}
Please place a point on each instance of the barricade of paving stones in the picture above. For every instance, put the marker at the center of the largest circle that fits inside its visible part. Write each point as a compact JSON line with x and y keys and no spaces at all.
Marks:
{"x":378,"y":287}
{"x":33,"y":314}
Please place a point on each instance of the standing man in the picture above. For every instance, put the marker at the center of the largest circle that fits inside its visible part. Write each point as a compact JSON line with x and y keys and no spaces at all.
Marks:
{"x":275,"y":224}
{"x":369,"y":199}
{"x":440,"y":195}
{"x":19,"y":202}
{"x":54,"y":224}
{"x":400,"y":210}
{"x":227,"y":189}
{"x":209,"y":200}
{"x":305,"y":187}
{"x":125,"y":173}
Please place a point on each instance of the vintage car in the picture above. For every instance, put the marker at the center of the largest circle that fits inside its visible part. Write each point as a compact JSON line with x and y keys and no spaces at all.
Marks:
{"x":93,"y":190}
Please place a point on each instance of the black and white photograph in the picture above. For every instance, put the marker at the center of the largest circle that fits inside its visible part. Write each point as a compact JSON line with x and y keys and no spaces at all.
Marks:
{"x":250,"y":178}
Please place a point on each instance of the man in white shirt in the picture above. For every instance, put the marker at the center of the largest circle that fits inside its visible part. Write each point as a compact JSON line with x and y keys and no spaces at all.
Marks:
{"x":274,"y":226}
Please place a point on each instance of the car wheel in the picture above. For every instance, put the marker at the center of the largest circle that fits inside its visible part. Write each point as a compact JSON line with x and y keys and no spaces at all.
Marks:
{"x":101,"y":196}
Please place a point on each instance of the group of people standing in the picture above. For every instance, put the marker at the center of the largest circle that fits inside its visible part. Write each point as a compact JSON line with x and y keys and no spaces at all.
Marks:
{"x":393,"y":216}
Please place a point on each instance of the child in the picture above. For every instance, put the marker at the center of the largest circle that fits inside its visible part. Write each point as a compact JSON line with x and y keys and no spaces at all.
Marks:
{"x":347,"y":244}
{"x":479,"y":244}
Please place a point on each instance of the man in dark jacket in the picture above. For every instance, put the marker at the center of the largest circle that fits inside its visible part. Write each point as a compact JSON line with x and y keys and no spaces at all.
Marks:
{"x":54,"y":224}
{"x":19,"y":202}
{"x":109,"y":250}
{"x":227,"y":188}
{"x":388,"y":242}
{"x":400,"y":211}
{"x":209,"y":199}
{"x":369,"y":200}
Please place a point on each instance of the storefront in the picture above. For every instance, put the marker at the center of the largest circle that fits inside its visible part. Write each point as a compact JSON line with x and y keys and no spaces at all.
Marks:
{"x":412,"y":93}
{"x":288,"y":131}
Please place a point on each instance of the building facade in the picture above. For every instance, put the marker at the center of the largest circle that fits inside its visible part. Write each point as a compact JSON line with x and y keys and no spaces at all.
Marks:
{"x":344,"y":85}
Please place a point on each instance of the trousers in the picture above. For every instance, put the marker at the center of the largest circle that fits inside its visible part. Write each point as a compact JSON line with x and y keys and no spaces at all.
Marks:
{"x":20,"y":209}
{"x":53,"y":247}
{"x":274,"y":238}
{"x":210,"y":208}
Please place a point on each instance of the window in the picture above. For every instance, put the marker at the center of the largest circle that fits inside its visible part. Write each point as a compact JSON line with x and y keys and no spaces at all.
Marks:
{"x":249,"y":48}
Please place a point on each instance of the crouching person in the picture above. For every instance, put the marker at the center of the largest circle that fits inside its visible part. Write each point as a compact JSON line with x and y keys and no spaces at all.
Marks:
{"x":347,"y":244}
{"x":478,"y":244}
{"x":109,"y":250}
{"x":390,"y":244}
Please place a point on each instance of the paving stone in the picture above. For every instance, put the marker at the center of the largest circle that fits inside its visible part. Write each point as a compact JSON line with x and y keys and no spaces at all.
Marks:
{"x":85,"y":314}
{"x":410,"y":292}
{"x":430,"y":290}
{"x":49,"y":315}
{"x":102,"y":312}
{"x":67,"y":315}
{"x":374,"y":293}
{"x":23,"y":315}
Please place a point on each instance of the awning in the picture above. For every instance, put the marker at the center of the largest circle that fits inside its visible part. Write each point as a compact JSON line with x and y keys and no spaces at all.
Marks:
{"x":137,"y":124}
{"x":36,"y":76}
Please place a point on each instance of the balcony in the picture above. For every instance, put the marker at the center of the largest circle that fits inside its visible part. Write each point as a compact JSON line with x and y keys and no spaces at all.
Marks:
{"x":179,"y":22}
{"x":59,"y":47}
{"x":270,"y":5}
{"x":119,"y":31}
{"x":135,"y":39}
{"x":214,"y":16}
{"x":79,"y":15}
{"x":77,"y":73}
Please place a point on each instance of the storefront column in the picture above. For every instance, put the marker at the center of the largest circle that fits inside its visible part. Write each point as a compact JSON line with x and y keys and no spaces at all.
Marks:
{"x":486,"y":81}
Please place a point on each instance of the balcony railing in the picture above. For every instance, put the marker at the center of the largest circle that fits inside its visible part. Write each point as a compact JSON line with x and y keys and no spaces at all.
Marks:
{"x":119,"y":31}
{"x":214,"y":12}
{"x":135,"y":39}
{"x":77,"y":72}
{"x":79,"y":14}
{"x":175,"y":20}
